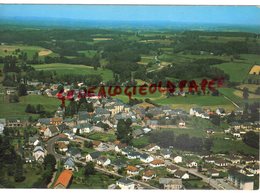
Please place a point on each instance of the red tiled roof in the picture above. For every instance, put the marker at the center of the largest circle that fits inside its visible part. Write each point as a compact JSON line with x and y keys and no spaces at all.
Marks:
{"x":132,"y":168}
{"x":64,"y":178}
{"x":157,"y":162}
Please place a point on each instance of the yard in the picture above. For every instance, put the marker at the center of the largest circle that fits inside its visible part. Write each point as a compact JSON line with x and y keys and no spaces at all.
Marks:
{"x":105,"y":137}
{"x":96,"y":181}
{"x":31,"y":176}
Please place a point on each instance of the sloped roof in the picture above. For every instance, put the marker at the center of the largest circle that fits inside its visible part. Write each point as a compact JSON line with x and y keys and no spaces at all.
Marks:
{"x":64,"y":178}
{"x":132,"y":168}
{"x":149,"y":173}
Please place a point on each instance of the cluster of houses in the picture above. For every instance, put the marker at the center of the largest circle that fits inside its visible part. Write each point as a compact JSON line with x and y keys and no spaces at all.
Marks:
{"x":107,"y":113}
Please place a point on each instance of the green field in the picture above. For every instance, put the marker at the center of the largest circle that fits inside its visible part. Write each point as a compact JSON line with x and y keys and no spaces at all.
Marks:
{"x":75,"y":69}
{"x":17,"y":110}
{"x":238,"y":71}
{"x":105,"y":137}
{"x":231,"y":146}
{"x":6,"y":50}
{"x":96,"y":181}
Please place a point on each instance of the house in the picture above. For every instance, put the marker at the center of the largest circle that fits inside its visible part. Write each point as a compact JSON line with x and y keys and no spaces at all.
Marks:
{"x":171,"y":183}
{"x":148,"y":175}
{"x":166,"y":153}
{"x":97,"y":144}
{"x":39,"y":153}
{"x":133,"y":155}
{"x":69,"y":134}
{"x":83,"y":117}
{"x":15,"y":123}
{"x":233,"y":159}
{"x":181,"y":174}
{"x":157,"y":163}
{"x":51,"y":131}
{"x":64,"y":179}
{"x":103,"y":161}
{"x":182,"y":124}
{"x":132,"y":170}
{"x":240,"y":180}
{"x":146,"y":158}
{"x":127,"y":150}
{"x":119,"y":146}
{"x":235,"y":125}
{"x":74,"y":152}
{"x":249,"y":160}
{"x":210,"y":160}
{"x":125,"y":183}
{"x":177,"y":159}
{"x":147,"y":130}
{"x":152,"y":147}
{"x":34,"y":140}
{"x":152,"y":124}
{"x":196,"y":112}
{"x":172,"y":168}
{"x":63,"y":139}
{"x":220,"y":112}
{"x":191,"y":164}
{"x":221,"y":162}
{"x":237,"y":135}
{"x":213,"y":173}
{"x":92,"y":156}
{"x":83,"y":128}
{"x":254,"y":169}
{"x":70,"y":165}
{"x":56,"y":121}
{"x":62,"y":146}
{"x":118,"y":164}
{"x":102,"y":111}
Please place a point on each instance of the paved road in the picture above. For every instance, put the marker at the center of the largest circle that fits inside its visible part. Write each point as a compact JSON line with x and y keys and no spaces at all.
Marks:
{"x":51,"y":150}
{"x":103,"y":170}
{"x":215,"y":183}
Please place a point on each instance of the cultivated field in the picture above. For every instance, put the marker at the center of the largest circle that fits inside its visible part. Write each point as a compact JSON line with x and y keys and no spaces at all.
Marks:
{"x":74,"y":69}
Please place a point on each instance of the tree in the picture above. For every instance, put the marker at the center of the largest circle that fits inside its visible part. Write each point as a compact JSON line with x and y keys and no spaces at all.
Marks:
{"x":18,"y":176}
{"x":88,"y":144}
{"x":124,"y":131}
{"x":49,"y":161}
{"x":22,"y":90}
{"x":245,"y":93}
{"x":208,"y":143}
{"x":13,"y":99}
{"x":252,"y":139}
{"x":28,"y":108}
{"x":39,"y":109}
{"x":89,"y":169}
{"x":257,"y":91}
{"x":215,"y":119}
